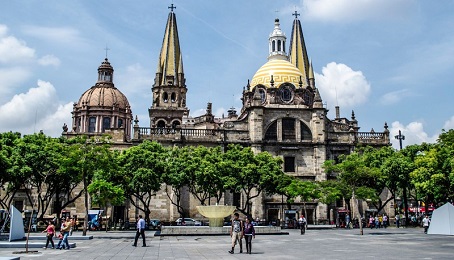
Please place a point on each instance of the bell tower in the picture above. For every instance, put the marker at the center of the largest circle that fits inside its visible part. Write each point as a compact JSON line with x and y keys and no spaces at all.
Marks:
{"x":169,"y":88}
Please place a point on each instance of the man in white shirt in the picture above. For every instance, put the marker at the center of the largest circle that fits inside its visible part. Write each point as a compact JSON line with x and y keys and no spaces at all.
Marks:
{"x":140,"y":231}
{"x":425,"y":223}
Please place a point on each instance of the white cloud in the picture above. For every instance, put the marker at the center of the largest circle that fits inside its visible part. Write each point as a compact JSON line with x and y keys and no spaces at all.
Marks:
{"x":13,"y":50}
{"x":341,"y":85}
{"x":414,"y":134}
{"x":356,"y":10}
{"x":394,"y":96}
{"x":49,"y":60}
{"x":449,"y":124}
{"x":38,"y":109}
{"x":11,"y":77}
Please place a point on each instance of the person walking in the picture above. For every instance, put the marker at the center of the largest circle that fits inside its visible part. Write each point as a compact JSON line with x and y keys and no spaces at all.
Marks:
{"x":248,"y":233}
{"x":398,"y":220}
{"x":66,"y":227}
{"x":303,"y":224}
{"x":140,"y":231}
{"x":426,"y":223}
{"x":347,"y":221}
{"x":385,"y":221}
{"x":50,"y":232}
{"x":236,"y":232}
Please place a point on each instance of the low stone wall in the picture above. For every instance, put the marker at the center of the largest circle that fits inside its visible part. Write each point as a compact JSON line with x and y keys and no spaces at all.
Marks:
{"x":205,"y":230}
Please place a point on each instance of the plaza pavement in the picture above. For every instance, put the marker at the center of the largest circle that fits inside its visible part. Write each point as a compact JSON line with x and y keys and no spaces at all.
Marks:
{"x":391,"y":243}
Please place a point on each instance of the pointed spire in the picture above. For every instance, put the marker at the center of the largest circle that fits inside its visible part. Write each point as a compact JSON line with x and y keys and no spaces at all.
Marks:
{"x":311,"y":77}
{"x":170,"y":62}
{"x":317,"y":99}
{"x":297,"y":52}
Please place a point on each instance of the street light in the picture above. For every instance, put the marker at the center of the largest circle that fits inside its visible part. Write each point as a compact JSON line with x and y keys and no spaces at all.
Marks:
{"x":401,"y":137}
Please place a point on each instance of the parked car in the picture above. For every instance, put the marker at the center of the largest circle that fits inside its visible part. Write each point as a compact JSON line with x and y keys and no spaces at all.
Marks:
{"x":155,"y":224}
{"x":188,"y":222}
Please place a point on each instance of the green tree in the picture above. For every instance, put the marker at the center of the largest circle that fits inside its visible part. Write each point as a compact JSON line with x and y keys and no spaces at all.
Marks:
{"x":353,"y":174}
{"x":36,"y":159}
{"x":306,"y":190}
{"x":175,"y":176}
{"x":206,"y":175}
{"x":142,"y":170}
{"x":251,"y":174}
{"x":104,"y":192}
{"x":83,"y":157}
{"x":9,"y":179}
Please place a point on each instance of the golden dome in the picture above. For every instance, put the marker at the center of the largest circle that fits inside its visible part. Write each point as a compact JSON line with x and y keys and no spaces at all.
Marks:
{"x":282,"y":71}
{"x":101,"y":95}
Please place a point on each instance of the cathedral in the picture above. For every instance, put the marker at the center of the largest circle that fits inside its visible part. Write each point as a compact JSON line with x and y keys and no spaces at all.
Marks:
{"x":282,"y":113}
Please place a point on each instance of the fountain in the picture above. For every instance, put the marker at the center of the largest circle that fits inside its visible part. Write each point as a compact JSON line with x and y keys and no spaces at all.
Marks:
{"x":216,"y":213}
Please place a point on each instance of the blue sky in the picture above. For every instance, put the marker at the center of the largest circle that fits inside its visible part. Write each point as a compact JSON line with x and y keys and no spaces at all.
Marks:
{"x":388,"y":60}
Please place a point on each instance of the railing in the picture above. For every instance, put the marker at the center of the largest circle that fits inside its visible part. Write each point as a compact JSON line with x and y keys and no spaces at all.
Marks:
{"x":366,"y":137}
{"x":147,"y":131}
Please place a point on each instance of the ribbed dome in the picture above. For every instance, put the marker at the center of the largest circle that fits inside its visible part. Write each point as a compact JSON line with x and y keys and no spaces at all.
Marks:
{"x":101,"y":95}
{"x":282,"y":71}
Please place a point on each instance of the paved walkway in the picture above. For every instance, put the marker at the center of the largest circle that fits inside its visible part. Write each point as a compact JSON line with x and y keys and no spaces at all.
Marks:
{"x":333,"y":244}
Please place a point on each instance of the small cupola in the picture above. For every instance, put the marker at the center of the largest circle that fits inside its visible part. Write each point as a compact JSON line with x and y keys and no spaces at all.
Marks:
{"x":105,"y":72}
{"x":277,"y":43}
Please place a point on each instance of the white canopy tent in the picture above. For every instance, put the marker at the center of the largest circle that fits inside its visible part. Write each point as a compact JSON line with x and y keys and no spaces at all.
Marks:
{"x":442,"y":222}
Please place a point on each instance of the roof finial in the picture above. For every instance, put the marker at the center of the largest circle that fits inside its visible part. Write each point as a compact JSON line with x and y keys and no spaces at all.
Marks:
{"x":171,"y":7}
{"x":106,"y":49}
{"x":296,"y":14}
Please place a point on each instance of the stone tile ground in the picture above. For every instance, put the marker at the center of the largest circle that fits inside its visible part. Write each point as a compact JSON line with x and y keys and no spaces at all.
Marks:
{"x":391,"y":243}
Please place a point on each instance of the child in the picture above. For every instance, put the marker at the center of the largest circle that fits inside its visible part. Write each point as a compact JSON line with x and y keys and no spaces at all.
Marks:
{"x":60,"y":243}
{"x":248,"y":232}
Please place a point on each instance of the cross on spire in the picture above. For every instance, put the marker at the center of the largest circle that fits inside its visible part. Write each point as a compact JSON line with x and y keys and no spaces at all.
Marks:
{"x":296,"y":14}
{"x":106,"y":49}
{"x":171,"y":7}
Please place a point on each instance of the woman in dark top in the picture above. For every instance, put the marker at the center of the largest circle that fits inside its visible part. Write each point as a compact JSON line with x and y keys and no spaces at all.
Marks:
{"x":249,"y":233}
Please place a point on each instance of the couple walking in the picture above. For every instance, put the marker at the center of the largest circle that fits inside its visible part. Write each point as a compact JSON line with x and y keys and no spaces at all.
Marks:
{"x":239,"y":230}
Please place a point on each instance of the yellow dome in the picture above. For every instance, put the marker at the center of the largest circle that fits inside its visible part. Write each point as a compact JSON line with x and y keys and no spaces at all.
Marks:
{"x":282,"y":71}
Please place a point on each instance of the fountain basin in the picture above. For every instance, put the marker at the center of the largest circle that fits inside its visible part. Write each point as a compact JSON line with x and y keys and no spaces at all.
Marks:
{"x":216,"y":213}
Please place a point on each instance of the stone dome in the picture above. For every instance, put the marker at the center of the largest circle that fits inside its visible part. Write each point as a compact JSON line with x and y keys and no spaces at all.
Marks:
{"x":282,"y":71}
{"x":104,"y":95}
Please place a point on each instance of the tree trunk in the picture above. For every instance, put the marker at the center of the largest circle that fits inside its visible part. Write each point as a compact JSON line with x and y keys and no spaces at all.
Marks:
{"x":84,"y":231}
{"x":355,"y":202}
{"x":405,"y":206}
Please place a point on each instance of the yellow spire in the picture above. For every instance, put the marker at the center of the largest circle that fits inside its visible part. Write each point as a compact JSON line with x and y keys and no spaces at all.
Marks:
{"x":170,"y":61}
{"x":297,"y":52}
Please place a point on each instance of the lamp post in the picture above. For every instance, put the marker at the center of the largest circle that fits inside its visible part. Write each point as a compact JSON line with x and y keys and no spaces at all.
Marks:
{"x":401,"y":137}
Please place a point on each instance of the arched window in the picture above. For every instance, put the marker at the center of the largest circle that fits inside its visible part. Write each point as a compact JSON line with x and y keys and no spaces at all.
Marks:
{"x":305,"y":132}
{"x":175,"y":124}
{"x":120,"y":123}
{"x":91,"y":124}
{"x":161,"y":124}
{"x":173,"y":97}
{"x":271,"y":132}
{"x":273,"y":46}
{"x":278,"y":45}
{"x":262,"y":93}
{"x":165,"y":97}
{"x":286,"y":93}
{"x":288,"y":129}
{"x":105,"y":123}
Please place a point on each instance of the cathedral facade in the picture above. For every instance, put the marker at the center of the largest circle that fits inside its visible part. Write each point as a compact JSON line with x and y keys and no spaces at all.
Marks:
{"x":282,"y":113}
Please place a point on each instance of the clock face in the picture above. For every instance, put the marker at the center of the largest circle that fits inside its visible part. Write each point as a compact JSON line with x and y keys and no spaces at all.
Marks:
{"x":286,"y":93}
